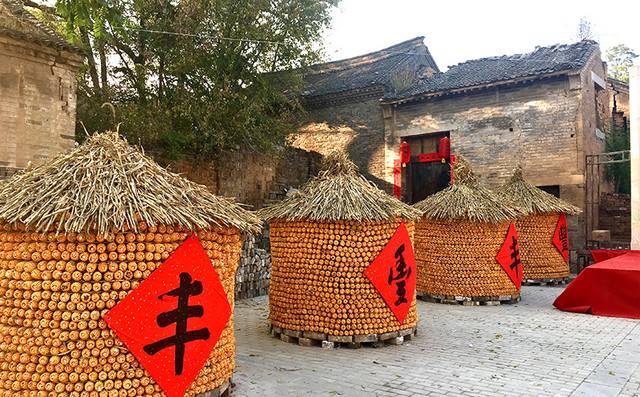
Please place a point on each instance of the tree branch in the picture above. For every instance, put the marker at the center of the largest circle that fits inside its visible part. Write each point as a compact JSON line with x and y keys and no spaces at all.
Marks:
{"x":42,"y":7}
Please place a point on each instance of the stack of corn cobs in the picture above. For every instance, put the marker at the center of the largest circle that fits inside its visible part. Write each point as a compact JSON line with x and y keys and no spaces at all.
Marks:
{"x":54,"y":291}
{"x":318,"y":282}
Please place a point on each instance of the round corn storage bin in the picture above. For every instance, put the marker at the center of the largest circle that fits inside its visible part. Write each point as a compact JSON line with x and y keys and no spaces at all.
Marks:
{"x":456,"y":242}
{"x":322,"y":240}
{"x":77,"y":235}
{"x":542,"y":262}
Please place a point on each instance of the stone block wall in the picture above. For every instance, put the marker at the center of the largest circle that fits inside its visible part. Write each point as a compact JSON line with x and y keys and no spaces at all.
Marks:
{"x":37,"y":102}
{"x":254,"y":271}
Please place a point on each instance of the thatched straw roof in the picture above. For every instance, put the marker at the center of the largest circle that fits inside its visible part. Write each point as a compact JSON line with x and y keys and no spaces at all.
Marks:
{"x":339,"y":193}
{"x":531,"y":200}
{"x":466,"y":199}
{"x":106,"y":183}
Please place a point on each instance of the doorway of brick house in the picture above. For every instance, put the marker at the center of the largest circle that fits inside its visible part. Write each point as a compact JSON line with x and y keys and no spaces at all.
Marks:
{"x":425,"y":174}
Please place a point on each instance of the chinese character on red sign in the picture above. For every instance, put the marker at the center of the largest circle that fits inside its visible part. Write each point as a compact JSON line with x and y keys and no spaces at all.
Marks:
{"x":509,"y":256}
{"x":172,"y":320}
{"x":393,"y":273}
{"x":561,"y":237}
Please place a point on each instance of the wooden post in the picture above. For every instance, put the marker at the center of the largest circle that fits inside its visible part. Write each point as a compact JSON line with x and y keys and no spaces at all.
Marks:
{"x":634,"y":108}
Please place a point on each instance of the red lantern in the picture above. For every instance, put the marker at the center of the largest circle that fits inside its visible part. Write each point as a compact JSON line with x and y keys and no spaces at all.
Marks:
{"x":444,"y":148}
{"x":405,"y":153}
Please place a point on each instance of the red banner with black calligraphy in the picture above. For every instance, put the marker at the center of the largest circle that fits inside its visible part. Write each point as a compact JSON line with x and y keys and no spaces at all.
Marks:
{"x":561,"y":237}
{"x":172,"y":321}
{"x":393,"y":273}
{"x":509,"y":256}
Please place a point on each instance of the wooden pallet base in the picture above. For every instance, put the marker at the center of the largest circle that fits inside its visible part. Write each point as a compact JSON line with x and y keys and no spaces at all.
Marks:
{"x":470,"y":300}
{"x":224,"y":390}
{"x":304,"y":338}
{"x":551,"y":282}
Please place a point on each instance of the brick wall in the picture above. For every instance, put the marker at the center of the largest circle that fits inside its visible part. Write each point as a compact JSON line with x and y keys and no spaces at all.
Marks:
{"x":37,"y":102}
{"x":252,"y":178}
{"x":615,"y":215}
{"x":356,"y":127}
{"x":547,"y":126}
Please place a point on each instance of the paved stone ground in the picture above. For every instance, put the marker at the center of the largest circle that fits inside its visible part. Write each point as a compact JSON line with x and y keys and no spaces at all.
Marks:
{"x":525,"y":349}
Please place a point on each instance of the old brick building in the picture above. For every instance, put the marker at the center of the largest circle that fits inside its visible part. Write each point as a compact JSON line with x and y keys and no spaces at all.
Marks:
{"x":619,"y":103}
{"x":37,"y":89}
{"x":343,"y":102}
{"x":545,"y":109}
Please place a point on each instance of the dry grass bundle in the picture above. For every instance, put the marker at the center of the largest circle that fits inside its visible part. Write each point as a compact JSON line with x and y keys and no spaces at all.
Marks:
{"x":540,"y":258}
{"x":55,"y":289}
{"x":466,"y":199}
{"x":339,"y":193}
{"x":107,"y":184}
{"x":531,"y":200}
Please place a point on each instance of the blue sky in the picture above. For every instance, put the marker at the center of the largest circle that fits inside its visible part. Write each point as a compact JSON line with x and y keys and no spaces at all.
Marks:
{"x":457,"y":30}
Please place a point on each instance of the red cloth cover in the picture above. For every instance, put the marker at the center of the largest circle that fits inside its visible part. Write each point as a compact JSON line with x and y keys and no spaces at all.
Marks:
{"x":608,"y":288}
{"x":603,"y":255}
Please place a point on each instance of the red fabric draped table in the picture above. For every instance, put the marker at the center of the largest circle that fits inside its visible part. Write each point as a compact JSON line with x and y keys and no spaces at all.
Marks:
{"x":608,"y":288}
{"x":601,"y":255}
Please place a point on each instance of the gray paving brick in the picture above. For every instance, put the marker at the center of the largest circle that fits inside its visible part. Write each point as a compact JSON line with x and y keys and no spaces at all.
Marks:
{"x":527,"y":349}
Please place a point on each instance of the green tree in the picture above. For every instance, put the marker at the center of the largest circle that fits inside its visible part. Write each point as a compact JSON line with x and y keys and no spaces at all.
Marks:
{"x":619,"y":173}
{"x":619,"y":59}
{"x":194,"y":77}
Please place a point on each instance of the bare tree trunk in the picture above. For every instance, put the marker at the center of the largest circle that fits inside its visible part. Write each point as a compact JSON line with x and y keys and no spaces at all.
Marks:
{"x":103,"y":68}
{"x":84,"y":36}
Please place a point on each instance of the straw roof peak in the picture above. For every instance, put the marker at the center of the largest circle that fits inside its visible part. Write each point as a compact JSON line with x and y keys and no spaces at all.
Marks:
{"x":467,"y":199}
{"x":464,"y":174}
{"x":106,"y":183}
{"x":339,"y":193}
{"x":532,"y":200}
{"x":337,"y":162}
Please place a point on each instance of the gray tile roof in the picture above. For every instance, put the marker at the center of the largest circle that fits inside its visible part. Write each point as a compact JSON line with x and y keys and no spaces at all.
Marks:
{"x":18,"y":23}
{"x":370,"y":70}
{"x":542,"y":61}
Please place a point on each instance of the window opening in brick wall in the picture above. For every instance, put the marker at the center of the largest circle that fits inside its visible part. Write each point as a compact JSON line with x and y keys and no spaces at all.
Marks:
{"x":551,"y":189}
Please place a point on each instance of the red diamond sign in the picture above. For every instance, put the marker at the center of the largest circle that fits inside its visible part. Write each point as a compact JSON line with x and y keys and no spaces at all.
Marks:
{"x":172,"y":320}
{"x":393,"y":273}
{"x":561,"y":237}
{"x":509,"y":256}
